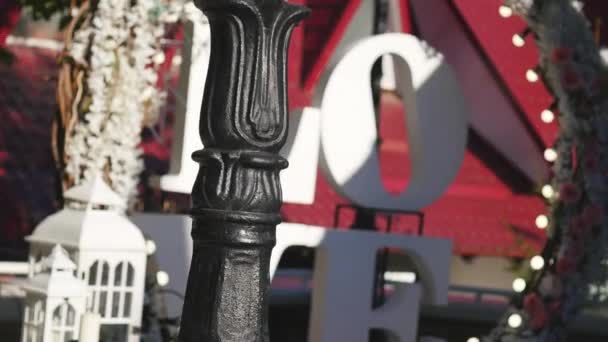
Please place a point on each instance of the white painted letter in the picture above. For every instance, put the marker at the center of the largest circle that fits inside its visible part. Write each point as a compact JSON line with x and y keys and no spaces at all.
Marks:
{"x":436,"y":122}
{"x":302,"y":151}
{"x":343,"y":286}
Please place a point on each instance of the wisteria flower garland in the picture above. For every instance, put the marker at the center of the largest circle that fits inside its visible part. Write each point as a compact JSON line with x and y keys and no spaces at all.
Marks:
{"x":119,"y":46}
{"x":576,"y":253}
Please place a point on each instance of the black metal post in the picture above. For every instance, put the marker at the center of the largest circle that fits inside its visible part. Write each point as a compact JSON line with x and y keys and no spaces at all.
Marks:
{"x":365,"y":219}
{"x":237,"y":194}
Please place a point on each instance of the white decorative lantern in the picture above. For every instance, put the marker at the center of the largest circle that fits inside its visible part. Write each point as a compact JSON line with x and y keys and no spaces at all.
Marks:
{"x":54,"y":302}
{"x":109,"y":252}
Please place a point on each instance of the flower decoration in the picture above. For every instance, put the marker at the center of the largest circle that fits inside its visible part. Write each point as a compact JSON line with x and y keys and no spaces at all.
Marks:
{"x":569,"y":193}
{"x":593,"y":214}
{"x":579,"y":227}
{"x":120,"y":47}
{"x":571,"y":80}
{"x":578,"y":238}
{"x":562,"y":55}
{"x":535,"y":308}
{"x":565,"y":266}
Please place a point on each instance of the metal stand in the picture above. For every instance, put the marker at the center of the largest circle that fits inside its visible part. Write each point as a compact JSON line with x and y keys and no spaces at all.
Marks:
{"x":237,"y":194}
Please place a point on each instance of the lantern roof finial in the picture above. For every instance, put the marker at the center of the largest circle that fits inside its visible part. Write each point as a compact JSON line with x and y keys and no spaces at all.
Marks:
{"x":59,"y":260}
{"x":56,"y":279}
{"x":95,"y":192}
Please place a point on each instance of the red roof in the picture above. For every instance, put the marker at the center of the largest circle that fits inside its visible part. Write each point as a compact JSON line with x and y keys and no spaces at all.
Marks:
{"x":490,"y":204}
{"x":487,"y":206}
{"x":476,"y":212}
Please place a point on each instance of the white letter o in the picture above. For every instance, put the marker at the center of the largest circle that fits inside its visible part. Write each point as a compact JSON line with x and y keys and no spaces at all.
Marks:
{"x":436,"y":122}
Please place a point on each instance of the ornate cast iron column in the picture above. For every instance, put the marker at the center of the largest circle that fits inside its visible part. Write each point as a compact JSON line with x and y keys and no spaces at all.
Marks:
{"x":237,"y":194}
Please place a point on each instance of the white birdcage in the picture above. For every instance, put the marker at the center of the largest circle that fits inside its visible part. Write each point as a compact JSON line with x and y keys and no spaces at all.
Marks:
{"x":109,"y":252}
{"x":55,"y":300}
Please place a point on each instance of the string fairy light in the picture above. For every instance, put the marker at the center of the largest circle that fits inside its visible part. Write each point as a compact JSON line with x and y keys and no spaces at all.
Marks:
{"x":519,"y":285}
{"x":550,"y":155}
{"x":532,"y":75}
{"x":515,"y":321}
{"x":505,"y":11}
{"x":537,"y":262}
{"x":162,"y":278}
{"x":150,"y":247}
{"x":519,"y":39}
{"x":548,"y":191}
{"x":547,"y":116}
{"x":542,"y":221}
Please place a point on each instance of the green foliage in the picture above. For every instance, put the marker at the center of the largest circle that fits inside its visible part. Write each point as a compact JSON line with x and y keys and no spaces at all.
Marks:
{"x":6,"y":57}
{"x":64,"y":21}
{"x":44,"y":9}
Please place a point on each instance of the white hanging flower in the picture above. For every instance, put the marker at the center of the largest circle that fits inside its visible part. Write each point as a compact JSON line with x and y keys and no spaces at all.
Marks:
{"x":124,"y":45}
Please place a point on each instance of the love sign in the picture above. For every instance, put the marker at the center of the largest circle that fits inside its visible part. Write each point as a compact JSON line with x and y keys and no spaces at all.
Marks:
{"x":342,"y":130}
{"x":342,"y":279}
{"x":342,"y":286}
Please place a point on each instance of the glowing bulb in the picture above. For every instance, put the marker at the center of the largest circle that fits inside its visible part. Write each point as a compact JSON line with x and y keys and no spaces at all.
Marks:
{"x":159,"y":58}
{"x":531,"y":76}
{"x":548,"y":191}
{"x":537,"y":262}
{"x":177,"y":60}
{"x":150,"y":247}
{"x":578,"y":5}
{"x":162,"y":278}
{"x":547,"y":116}
{"x":542,"y":221}
{"x":519,"y":285}
{"x":518,"y":40}
{"x":550,"y":155}
{"x":505,"y":11}
{"x":515,"y":320}
{"x":473,"y":339}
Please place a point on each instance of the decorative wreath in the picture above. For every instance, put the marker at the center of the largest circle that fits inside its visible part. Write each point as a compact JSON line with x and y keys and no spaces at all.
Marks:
{"x":572,"y":268}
